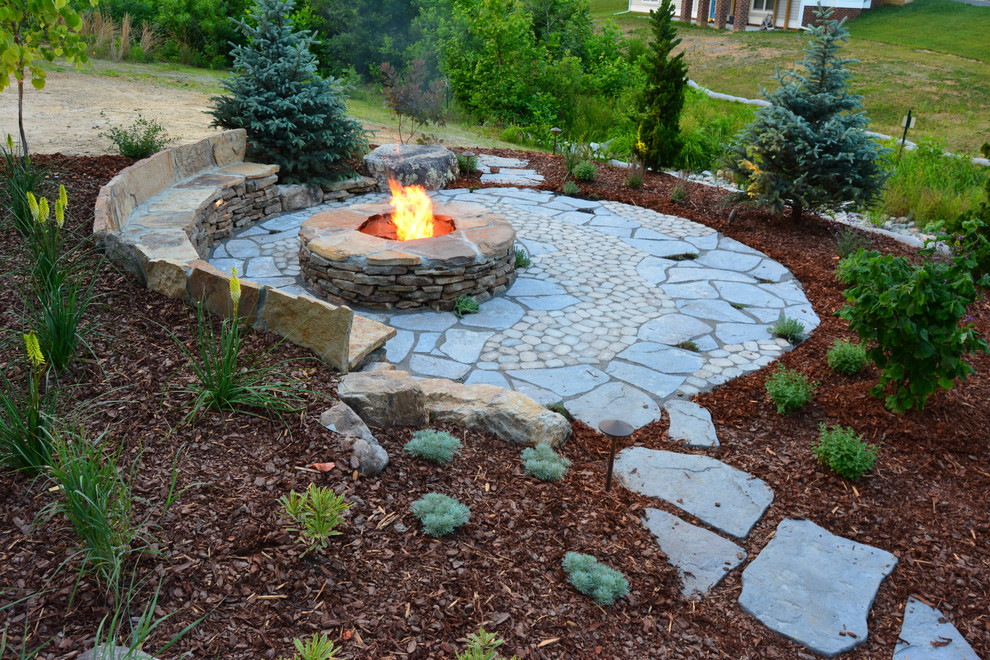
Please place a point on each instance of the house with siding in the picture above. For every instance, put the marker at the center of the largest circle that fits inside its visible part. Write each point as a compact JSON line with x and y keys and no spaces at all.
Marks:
{"x":740,"y":14}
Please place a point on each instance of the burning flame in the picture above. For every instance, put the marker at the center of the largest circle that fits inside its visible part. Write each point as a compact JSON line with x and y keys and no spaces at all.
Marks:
{"x":413,"y":214}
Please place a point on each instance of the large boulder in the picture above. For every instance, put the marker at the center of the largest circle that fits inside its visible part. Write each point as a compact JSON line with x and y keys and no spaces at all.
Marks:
{"x":432,"y":166}
{"x":367,"y":456}
{"x":384,"y":398}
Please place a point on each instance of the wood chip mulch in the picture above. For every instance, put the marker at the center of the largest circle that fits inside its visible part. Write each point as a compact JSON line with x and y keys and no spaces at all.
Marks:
{"x":384,"y":590}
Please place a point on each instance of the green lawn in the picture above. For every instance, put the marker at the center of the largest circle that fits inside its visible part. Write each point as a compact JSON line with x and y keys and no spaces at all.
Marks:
{"x":941,"y":26}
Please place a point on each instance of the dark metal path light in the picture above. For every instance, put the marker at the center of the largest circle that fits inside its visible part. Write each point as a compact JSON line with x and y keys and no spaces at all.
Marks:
{"x":555,"y":131}
{"x":614,"y":429}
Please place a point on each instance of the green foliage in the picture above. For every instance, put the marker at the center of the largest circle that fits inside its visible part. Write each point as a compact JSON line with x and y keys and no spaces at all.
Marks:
{"x":440,"y":514}
{"x":809,"y":149}
{"x":585,"y":171}
{"x":787,"y":328}
{"x":659,"y":141}
{"x":467,"y":165}
{"x":317,"y":647}
{"x":846,"y":357}
{"x":25,"y":416}
{"x":544,"y":463}
{"x":678,"y":193}
{"x":522,"y":259}
{"x":844,"y":451}
{"x":789,"y":389}
{"x":465,"y":304}
{"x":316,"y":514}
{"x":436,"y":446}
{"x":414,"y":102}
{"x":912,"y":314}
{"x":592,"y":578}
{"x":973,"y":239}
{"x":848,"y":241}
{"x":143,"y":138}
{"x":561,"y":409}
{"x":294,"y":118}
{"x":570,"y":188}
{"x":20,"y":176}
{"x":707,"y":125}
{"x":688,"y":346}
{"x":513,"y":134}
{"x":223,"y":381}
{"x":481,"y":646}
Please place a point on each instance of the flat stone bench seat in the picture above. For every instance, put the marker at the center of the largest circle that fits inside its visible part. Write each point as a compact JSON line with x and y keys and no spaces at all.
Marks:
{"x":160,"y":218}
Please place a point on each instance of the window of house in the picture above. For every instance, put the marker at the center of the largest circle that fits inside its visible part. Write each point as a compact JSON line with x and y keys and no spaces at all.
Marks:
{"x":763,"y":5}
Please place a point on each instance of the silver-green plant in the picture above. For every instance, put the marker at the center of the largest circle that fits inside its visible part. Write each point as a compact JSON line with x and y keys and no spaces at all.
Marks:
{"x":592,"y":578}
{"x":544,"y":463}
{"x":440,"y":514}
{"x":317,"y":647}
{"x":316,"y":514}
{"x":438,"y":447}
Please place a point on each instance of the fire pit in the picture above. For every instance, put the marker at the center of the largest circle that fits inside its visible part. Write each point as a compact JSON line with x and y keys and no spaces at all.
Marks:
{"x":408,"y":253}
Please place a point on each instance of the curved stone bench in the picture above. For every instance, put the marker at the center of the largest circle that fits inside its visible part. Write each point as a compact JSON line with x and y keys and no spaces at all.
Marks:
{"x":159,"y":218}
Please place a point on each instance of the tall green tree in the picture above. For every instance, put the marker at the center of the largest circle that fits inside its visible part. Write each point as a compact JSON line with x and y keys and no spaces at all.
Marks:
{"x":658,"y":141}
{"x":294,"y":117}
{"x":809,"y":148}
{"x":31,"y":31}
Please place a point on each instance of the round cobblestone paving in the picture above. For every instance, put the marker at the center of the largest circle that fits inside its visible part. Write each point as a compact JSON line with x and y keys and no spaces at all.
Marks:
{"x":621,"y":309}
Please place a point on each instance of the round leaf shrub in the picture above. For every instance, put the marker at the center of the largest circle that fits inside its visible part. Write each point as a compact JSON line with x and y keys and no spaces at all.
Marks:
{"x":439,"y":514}
{"x":844,"y":451}
{"x":846,"y":357}
{"x":789,"y":389}
{"x":544,"y":463}
{"x":592,"y":578}
{"x":436,"y":446}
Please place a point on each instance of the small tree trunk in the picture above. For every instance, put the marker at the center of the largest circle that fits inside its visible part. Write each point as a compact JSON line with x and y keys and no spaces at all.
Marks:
{"x":796,"y":212}
{"x":20,"y":117}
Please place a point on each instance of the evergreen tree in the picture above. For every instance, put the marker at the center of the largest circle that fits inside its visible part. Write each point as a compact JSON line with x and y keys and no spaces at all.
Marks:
{"x":294,"y":118}
{"x":808,"y":149}
{"x":658,"y":142}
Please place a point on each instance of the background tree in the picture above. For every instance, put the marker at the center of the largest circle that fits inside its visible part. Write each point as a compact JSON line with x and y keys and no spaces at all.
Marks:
{"x":808,"y":149}
{"x":658,"y":141}
{"x":294,"y":117}
{"x":33,"y":30}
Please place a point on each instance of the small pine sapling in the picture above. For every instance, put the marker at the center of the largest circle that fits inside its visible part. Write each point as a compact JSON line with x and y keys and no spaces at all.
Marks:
{"x":438,"y":447}
{"x":592,"y":578}
{"x":440,"y":514}
{"x":544,"y":463}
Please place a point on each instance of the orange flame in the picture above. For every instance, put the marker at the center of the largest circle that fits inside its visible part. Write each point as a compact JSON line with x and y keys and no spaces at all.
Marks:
{"x":413,"y":214}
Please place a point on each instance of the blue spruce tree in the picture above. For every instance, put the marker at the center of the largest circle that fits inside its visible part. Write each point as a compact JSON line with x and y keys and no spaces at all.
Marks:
{"x":809,"y":149}
{"x":294,"y":118}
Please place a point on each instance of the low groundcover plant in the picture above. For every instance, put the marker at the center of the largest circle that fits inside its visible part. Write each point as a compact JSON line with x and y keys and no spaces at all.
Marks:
{"x":847,"y":358}
{"x":438,"y":447}
{"x":592,"y":578}
{"x":789,"y":389}
{"x":440,"y":514}
{"x":544,"y":463}
{"x":844,"y":451}
{"x":316,"y":514}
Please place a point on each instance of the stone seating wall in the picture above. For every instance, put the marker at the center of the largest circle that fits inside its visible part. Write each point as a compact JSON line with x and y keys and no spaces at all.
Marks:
{"x":159,"y":218}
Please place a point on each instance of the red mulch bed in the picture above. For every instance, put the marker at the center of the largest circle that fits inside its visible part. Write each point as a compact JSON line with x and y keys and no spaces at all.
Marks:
{"x":384,"y":590}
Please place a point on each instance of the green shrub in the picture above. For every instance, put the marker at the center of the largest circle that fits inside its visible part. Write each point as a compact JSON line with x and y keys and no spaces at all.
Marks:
{"x":316,"y":514}
{"x":911,"y":314}
{"x":544,"y":463}
{"x":481,"y":646}
{"x":25,"y":416}
{"x":789,"y":389}
{"x":658,"y":139}
{"x":678,"y":193}
{"x":849,"y":241}
{"x":317,"y":647}
{"x":513,"y":134}
{"x":585,"y":171}
{"x":707,"y":125}
{"x":844,"y":451}
{"x":436,"y":446}
{"x":571,"y":189}
{"x":522,"y":259}
{"x":439,"y":514}
{"x":846,"y":357}
{"x":592,"y":578}
{"x":413,"y":101}
{"x":634,"y":181}
{"x":141,"y":139}
{"x":467,"y":165}
{"x":465,"y":304}
{"x":787,"y":328}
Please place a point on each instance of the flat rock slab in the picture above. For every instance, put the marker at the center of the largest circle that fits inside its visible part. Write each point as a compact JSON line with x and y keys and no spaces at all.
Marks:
{"x":702,"y":558}
{"x":924,"y":628}
{"x":814,"y":587}
{"x":691,"y":424}
{"x":721,"y":496}
{"x":614,"y":400}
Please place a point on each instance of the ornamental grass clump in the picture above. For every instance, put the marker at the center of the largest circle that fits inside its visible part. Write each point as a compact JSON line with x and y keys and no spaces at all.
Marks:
{"x":846,"y":357}
{"x":787,"y":328}
{"x":592,"y":578}
{"x":438,"y":447}
{"x":790,"y":389}
{"x":844,"y":451}
{"x":439,"y":514}
{"x":316,"y":514}
{"x":24,"y":416}
{"x":544,"y":463}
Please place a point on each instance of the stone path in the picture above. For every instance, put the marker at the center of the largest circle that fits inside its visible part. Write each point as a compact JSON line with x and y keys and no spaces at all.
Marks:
{"x":601,"y":318}
{"x":927,"y":635}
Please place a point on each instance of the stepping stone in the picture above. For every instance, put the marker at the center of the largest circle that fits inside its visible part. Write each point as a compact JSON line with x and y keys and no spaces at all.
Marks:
{"x":428,"y":365}
{"x":496,"y":314}
{"x":398,"y":347}
{"x":464,"y":345}
{"x":548,"y":303}
{"x":657,"y":383}
{"x":691,"y":423}
{"x":262,"y":267}
{"x":535,"y":248}
{"x":689,"y":271}
{"x":723,"y":259}
{"x":614,"y":401}
{"x":654,"y":269}
{"x":815,"y":588}
{"x":489,"y":160}
{"x":692,"y":291}
{"x":770,"y":271}
{"x":737,"y":333}
{"x":527,"y":286}
{"x":428,"y":321}
{"x":927,"y":635}
{"x":719,"y":495}
{"x":748,"y":294}
{"x":563,"y":381}
{"x":513,"y":179}
{"x":661,"y":248}
{"x":706,"y":242}
{"x":716,"y":310}
{"x":702,"y":558}
{"x":485,"y":377}
{"x":574,"y":217}
{"x":672,"y":329}
{"x":663,"y":358}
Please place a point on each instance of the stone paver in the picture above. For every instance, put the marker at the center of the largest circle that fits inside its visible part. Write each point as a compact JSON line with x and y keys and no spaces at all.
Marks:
{"x":814,"y":587}
{"x":702,"y":558}
{"x":600,"y":297}
{"x":928,"y":635}
{"x":691,"y":424}
{"x":719,"y":495}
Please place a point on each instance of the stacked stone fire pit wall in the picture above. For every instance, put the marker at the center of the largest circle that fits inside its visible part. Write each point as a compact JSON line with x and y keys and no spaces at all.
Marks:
{"x":159,"y":218}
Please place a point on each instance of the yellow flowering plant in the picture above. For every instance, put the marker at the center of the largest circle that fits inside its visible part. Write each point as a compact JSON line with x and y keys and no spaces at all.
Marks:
{"x":24,"y":415}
